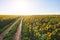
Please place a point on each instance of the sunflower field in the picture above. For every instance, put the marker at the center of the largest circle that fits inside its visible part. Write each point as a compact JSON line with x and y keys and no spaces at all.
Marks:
{"x":41,"y":27}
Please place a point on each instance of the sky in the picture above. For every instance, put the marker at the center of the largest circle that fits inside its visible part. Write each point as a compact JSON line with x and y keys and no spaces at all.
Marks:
{"x":27,"y":7}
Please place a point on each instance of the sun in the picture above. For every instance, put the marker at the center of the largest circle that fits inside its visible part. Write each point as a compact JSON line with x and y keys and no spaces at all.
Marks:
{"x":18,"y":8}
{"x":21,"y":6}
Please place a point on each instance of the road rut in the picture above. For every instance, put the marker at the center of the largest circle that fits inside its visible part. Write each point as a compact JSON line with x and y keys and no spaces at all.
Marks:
{"x":17,"y":35}
{"x":3,"y":34}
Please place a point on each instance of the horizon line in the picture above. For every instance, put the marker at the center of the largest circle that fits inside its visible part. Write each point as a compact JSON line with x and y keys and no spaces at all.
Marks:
{"x":29,"y":13}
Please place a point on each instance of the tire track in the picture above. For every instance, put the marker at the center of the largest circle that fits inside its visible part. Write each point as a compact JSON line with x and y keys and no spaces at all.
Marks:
{"x":17,"y":35}
{"x":3,"y":34}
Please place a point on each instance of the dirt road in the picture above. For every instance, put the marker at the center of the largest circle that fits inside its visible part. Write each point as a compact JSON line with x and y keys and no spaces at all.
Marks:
{"x":3,"y":34}
{"x":17,"y":35}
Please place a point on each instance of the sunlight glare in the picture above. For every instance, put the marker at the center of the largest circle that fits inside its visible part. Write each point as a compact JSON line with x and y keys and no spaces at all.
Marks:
{"x":21,"y":6}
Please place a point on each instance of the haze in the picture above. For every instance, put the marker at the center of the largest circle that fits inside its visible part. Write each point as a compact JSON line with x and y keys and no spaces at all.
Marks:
{"x":29,"y":7}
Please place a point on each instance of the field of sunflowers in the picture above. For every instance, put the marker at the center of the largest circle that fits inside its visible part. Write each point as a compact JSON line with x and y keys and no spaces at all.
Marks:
{"x":41,"y":27}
